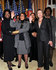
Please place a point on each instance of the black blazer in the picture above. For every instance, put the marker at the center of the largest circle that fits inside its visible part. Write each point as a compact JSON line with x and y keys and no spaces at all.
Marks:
{"x":44,"y":33}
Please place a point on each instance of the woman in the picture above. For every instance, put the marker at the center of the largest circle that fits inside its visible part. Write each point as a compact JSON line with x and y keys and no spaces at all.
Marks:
{"x":44,"y":38}
{"x":52,"y":20}
{"x":33,"y":49}
{"x":22,"y":40}
{"x":8,"y":39}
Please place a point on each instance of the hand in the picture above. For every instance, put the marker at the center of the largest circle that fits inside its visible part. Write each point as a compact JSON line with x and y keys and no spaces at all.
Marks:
{"x":30,"y":19}
{"x":34,"y":34}
{"x":15,"y":32}
{"x":12,"y":14}
{"x":50,"y":43}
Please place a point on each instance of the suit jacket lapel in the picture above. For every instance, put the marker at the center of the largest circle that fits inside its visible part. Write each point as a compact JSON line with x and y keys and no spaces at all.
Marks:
{"x":41,"y":24}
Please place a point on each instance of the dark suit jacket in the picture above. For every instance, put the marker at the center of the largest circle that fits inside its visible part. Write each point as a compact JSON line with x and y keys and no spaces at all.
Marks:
{"x":53,"y":23}
{"x":44,"y":33}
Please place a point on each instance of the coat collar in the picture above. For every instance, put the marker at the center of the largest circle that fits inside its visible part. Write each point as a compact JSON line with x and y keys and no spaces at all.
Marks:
{"x":23,"y":22}
{"x":41,"y":23}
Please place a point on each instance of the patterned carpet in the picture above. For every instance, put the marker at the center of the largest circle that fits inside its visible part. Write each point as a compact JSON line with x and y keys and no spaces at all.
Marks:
{"x":32,"y":65}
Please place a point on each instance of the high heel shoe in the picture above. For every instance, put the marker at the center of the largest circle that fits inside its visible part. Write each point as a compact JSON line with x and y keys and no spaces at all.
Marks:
{"x":9,"y":67}
{"x":26,"y":65}
{"x":51,"y":63}
{"x":19,"y":65}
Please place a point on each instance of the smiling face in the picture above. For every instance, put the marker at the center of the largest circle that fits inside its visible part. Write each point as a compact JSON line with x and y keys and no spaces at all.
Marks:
{"x":7,"y":14}
{"x":47,"y":12}
{"x":40,"y":14}
{"x":22,"y":17}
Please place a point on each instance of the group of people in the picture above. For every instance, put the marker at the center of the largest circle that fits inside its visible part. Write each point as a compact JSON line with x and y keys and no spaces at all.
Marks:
{"x":33,"y":37}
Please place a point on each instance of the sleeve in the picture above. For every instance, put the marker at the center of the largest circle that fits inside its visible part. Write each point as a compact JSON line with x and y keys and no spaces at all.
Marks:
{"x":13,"y":23}
{"x":25,"y":29}
{"x":55,"y":23}
{"x":50,"y":30}
{"x":36,"y":26}
{"x":30,"y":28}
{"x":5,"y":29}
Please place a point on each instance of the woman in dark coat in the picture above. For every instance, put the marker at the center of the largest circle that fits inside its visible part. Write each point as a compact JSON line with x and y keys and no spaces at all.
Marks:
{"x":8,"y":39}
{"x":33,"y":49}
{"x":44,"y":38}
{"x":52,"y":20}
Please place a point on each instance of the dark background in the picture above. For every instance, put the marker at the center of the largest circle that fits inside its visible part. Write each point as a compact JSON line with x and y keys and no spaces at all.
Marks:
{"x":25,"y":2}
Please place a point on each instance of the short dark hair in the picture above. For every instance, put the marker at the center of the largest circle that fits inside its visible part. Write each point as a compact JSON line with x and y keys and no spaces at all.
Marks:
{"x":5,"y":12}
{"x":23,"y":14}
{"x":33,"y":13}
{"x":47,"y":9}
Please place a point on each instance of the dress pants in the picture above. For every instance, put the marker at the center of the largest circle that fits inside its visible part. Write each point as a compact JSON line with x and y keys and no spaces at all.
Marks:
{"x":43,"y":54}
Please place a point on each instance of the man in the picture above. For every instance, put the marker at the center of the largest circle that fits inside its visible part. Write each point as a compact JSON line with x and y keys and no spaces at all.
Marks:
{"x":48,"y":12}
